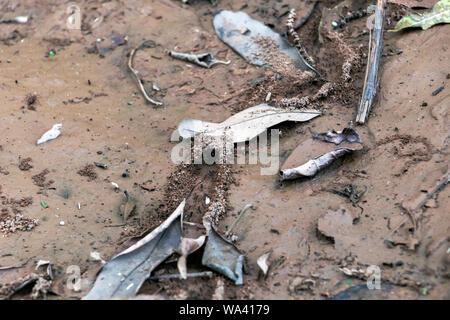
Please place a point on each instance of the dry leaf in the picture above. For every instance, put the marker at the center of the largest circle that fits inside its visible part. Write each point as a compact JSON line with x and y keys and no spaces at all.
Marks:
{"x":123,"y":276}
{"x":222,"y":256}
{"x":246,"y":124}
{"x":439,"y":14}
{"x":244,"y":35}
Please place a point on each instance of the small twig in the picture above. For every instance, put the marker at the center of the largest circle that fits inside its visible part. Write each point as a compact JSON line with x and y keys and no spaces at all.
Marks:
{"x":411,"y":216}
{"x":375,"y":47}
{"x":208,"y":274}
{"x":138,"y":79}
{"x":16,"y":266}
{"x":438,"y":188}
{"x":248,"y":206}
{"x":115,"y":225}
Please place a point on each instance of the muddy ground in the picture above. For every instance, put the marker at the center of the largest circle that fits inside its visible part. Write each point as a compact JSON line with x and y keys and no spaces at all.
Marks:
{"x":51,"y":74}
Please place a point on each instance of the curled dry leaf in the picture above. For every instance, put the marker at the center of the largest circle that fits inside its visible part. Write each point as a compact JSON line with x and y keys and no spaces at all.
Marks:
{"x":319,"y":152}
{"x":205,"y":60}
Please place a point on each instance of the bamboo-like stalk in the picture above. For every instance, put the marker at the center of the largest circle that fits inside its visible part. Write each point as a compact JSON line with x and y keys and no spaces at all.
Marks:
{"x":371,"y":81}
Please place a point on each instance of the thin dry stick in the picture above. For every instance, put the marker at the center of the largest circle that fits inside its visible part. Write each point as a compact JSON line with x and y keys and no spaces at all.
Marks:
{"x":248,"y":206}
{"x":139,"y":81}
{"x":208,"y":274}
{"x":375,"y":47}
{"x":411,"y":215}
{"x":16,"y":266}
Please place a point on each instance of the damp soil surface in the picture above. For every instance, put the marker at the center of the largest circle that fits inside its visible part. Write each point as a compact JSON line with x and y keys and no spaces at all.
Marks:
{"x":57,"y":205}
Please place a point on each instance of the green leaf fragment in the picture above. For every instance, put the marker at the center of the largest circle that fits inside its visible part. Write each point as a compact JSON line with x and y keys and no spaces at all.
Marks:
{"x":439,"y":14}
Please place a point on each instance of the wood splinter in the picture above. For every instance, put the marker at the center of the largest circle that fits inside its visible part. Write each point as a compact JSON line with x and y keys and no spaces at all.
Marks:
{"x":375,"y":47}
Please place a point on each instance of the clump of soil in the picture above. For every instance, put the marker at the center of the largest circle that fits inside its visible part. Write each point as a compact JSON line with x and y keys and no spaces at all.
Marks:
{"x":11,"y":204}
{"x":40,"y":179}
{"x":25,"y":165}
{"x":88,"y":171}
{"x":31,"y":100}
{"x":24,"y":202}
